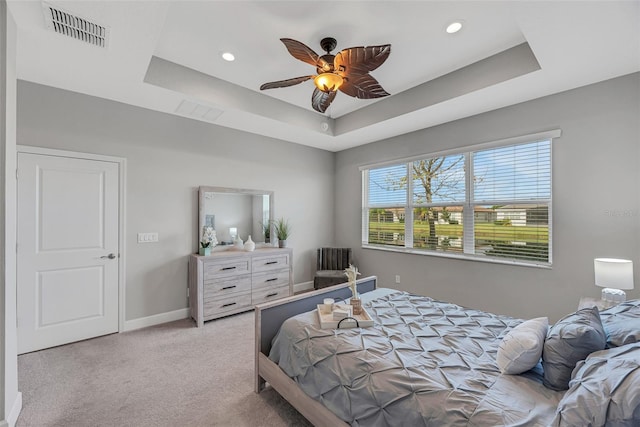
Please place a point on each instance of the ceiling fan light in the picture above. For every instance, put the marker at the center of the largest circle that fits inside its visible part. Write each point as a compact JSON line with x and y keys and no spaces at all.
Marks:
{"x":328,"y":82}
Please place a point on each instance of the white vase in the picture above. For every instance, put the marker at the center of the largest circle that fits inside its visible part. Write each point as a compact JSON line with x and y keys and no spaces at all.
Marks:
{"x":238,"y":243}
{"x":249,"y":245}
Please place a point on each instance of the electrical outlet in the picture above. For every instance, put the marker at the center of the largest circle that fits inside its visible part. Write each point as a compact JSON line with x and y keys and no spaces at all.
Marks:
{"x":397,"y":278}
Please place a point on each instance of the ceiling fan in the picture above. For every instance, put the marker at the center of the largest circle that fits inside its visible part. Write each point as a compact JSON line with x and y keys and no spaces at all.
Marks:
{"x":348,"y":71}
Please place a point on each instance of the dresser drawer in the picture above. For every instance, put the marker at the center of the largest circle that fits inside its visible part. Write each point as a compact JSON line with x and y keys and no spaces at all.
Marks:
{"x":270,"y":263}
{"x":216,"y":268}
{"x":215,"y":288}
{"x":270,"y":279}
{"x":219,"y":306}
{"x":269,"y":294}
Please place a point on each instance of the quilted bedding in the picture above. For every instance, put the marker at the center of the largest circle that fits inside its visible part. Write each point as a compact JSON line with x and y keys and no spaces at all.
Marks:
{"x":423,"y":363}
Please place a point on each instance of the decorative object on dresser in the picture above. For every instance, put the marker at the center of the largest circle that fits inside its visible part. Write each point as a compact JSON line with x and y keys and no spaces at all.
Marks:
{"x":249,"y":245}
{"x":230,"y":282}
{"x":208,"y":240}
{"x":283,"y":231}
{"x":613,"y":275}
{"x":238,"y":243}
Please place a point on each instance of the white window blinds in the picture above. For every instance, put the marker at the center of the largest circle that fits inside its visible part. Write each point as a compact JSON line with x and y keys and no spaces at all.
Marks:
{"x":488,"y":203}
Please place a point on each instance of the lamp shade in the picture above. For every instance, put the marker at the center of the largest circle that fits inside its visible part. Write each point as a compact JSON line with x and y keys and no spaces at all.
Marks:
{"x":613,"y":273}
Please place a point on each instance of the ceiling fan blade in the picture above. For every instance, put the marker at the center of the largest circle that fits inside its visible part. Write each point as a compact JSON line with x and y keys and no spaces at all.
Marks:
{"x":285,"y":83}
{"x":320,"y":100}
{"x":303,"y":52}
{"x":360,"y":60}
{"x":363,"y":86}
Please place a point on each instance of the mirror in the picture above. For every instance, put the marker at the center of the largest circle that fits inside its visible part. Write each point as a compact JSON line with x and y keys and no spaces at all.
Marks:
{"x":233,"y":210}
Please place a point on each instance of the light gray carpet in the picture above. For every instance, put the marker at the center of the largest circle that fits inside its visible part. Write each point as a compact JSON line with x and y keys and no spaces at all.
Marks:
{"x":167,"y":375}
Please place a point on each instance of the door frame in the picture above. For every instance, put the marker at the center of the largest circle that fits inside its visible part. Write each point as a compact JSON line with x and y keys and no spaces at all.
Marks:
{"x":122,"y":176}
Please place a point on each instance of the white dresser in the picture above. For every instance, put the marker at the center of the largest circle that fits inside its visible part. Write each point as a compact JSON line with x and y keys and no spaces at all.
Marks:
{"x":229,"y":282}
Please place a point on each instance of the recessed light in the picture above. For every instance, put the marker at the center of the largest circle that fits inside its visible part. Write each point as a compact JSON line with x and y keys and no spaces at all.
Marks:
{"x":228,"y":56}
{"x":454,"y":27}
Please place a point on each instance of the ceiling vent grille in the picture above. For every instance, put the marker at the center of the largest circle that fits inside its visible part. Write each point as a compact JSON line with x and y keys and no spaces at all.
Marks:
{"x":74,"y":26}
{"x":198,"y":111}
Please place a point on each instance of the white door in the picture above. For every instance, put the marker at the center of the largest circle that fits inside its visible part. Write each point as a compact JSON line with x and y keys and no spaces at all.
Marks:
{"x":67,"y":250}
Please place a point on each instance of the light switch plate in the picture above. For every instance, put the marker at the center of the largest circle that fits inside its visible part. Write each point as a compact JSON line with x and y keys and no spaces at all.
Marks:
{"x":147,"y":237}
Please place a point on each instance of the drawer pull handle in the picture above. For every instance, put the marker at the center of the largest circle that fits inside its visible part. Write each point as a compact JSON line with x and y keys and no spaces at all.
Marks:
{"x":228,"y":287}
{"x":229,"y":268}
{"x":228,"y":305}
{"x":271,"y":280}
{"x":271,"y":262}
{"x":272,"y":295}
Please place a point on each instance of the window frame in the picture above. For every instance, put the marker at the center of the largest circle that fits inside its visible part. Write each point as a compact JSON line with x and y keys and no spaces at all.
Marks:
{"x":468,"y":204}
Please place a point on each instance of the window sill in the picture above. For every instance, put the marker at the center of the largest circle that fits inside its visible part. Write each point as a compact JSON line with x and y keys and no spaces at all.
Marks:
{"x":455,"y":256}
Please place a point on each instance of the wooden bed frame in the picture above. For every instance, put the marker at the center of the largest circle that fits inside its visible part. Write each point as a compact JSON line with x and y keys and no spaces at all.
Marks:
{"x":269,"y":318}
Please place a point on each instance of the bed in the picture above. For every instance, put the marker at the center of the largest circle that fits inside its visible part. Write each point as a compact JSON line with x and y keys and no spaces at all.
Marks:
{"x":427,"y":362}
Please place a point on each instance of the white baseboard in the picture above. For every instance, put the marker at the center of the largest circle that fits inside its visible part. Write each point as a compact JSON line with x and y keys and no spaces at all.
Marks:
{"x":12,"y":419}
{"x":304,"y":286}
{"x":156,"y":319}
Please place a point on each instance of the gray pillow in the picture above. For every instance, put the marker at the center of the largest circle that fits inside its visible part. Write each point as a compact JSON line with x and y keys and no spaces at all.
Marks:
{"x":569,"y":341}
{"x":603,"y":390}
{"x":521,"y":348}
{"x":622,"y":323}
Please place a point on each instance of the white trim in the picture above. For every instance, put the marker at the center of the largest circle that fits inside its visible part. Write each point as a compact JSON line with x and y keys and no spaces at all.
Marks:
{"x":122,"y":175}
{"x":156,"y":319}
{"x":12,"y":419}
{"x":65,"y":153}
{"x":522,"y":139}
{"x":304,"y":286}
{"x":122,"y":259}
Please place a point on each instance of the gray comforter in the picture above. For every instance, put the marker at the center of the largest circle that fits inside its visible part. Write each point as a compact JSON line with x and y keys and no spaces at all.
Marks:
{"x":423,"y":362}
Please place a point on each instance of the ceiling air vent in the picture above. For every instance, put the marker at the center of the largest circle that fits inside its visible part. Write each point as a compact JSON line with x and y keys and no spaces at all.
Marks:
{"x":75,"y":26}
{"x":198,"y":111}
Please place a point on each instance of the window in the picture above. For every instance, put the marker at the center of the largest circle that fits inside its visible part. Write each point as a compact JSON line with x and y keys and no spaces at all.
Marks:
{"x":490,"y":202}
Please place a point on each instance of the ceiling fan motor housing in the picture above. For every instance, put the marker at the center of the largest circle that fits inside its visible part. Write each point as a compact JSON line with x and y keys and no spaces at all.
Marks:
{"x":328,"y":44}
{"x":328,"y":67}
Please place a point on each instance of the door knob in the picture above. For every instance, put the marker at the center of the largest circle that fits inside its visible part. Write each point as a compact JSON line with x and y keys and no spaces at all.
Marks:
{"x":110,"y":256}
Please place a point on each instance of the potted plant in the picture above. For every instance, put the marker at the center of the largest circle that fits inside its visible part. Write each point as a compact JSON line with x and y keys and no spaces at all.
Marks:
{"x":208,"y":240}
{"x":283,"y":231}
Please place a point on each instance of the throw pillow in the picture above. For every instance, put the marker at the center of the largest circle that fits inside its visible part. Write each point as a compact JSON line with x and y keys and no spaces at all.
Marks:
{"x":569,"y":341}
{"x":603,"y":390}
{"x":521,"y":348}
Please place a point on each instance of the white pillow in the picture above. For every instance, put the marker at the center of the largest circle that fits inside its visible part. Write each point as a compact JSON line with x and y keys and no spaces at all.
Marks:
{"x":521,"y":348}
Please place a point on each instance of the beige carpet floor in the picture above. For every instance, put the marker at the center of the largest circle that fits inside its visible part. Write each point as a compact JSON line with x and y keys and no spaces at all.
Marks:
{"x":168,"y":375}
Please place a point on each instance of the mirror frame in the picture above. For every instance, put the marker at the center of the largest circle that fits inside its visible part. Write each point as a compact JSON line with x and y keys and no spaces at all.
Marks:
{"x":228,"y":190}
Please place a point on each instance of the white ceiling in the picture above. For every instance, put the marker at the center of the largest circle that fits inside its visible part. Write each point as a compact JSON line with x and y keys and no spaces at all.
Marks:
{"x":163,"y":53}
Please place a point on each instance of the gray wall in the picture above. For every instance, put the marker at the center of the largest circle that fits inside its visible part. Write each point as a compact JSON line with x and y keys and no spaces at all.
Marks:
{"x":595,"y":202}
{"x":168,"y":157}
